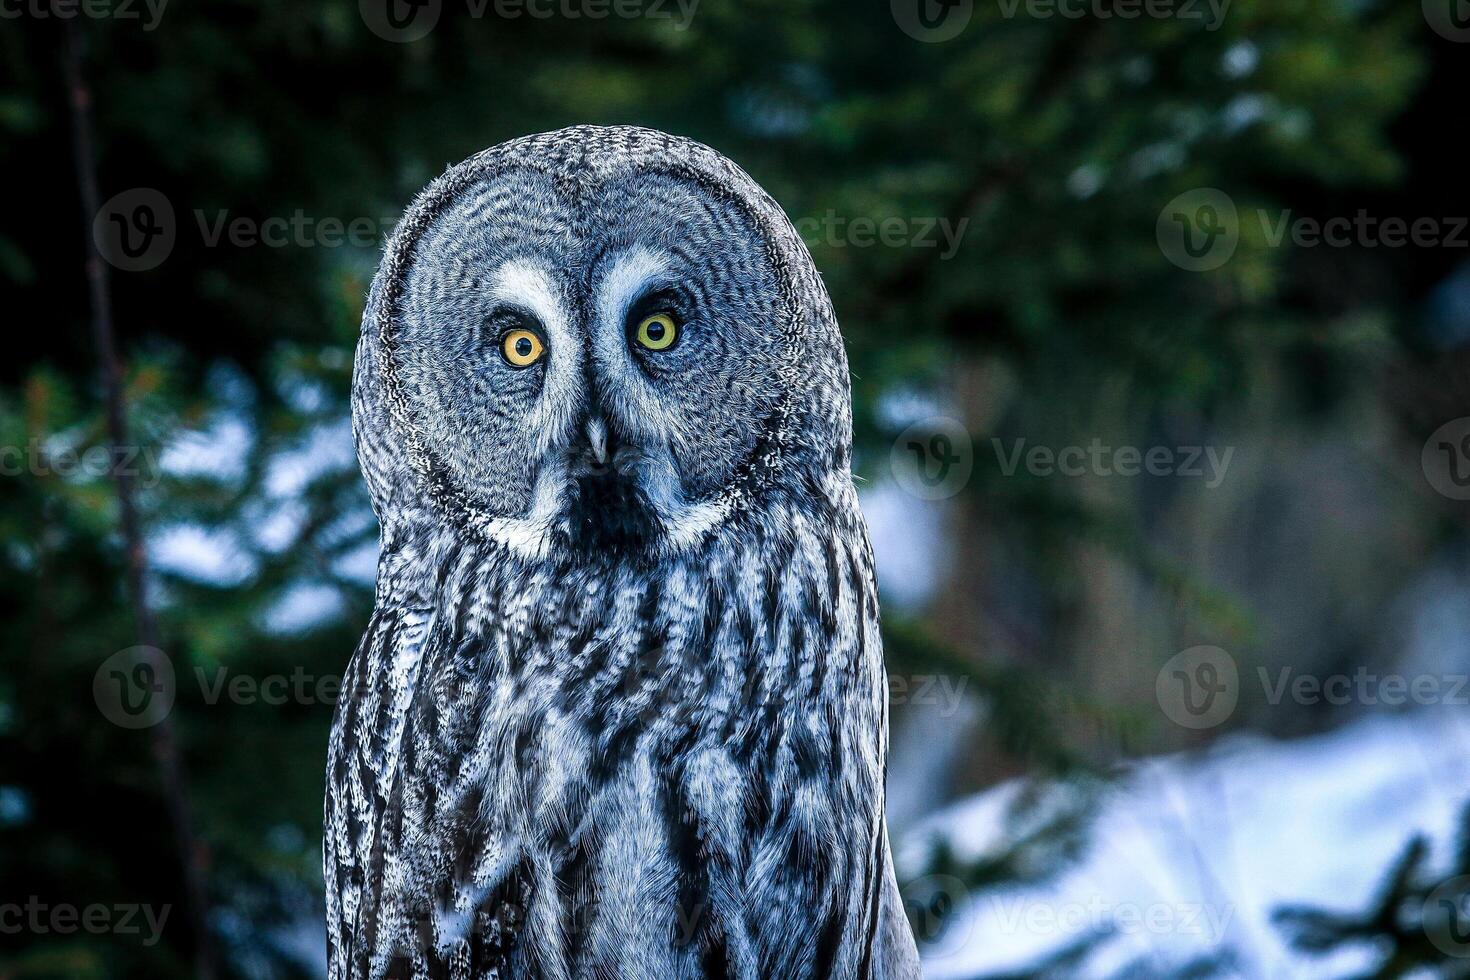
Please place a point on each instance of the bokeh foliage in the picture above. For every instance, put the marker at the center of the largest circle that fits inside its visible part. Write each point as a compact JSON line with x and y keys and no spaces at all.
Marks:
{"x":1057,"y":140}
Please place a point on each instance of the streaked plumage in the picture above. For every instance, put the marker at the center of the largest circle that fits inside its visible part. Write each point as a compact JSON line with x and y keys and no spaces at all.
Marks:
{"x":622,"y":721}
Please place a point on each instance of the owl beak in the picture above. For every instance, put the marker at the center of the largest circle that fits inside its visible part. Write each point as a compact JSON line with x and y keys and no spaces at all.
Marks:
{"x":597,"y":439}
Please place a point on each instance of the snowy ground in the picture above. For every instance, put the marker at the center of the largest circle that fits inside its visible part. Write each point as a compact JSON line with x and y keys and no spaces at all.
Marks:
{"x":1189,"y":852}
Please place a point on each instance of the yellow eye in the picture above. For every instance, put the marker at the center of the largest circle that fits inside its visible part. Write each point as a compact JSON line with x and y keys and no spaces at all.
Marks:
{"x":521,"y":348}
{"x":657,"y":331}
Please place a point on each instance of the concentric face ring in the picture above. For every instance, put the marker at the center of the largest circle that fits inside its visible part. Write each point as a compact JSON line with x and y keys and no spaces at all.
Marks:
{"x":461,"y":495}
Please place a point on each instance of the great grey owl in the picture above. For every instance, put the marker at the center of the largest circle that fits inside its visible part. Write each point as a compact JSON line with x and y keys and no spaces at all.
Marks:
{"x":621,"y":709}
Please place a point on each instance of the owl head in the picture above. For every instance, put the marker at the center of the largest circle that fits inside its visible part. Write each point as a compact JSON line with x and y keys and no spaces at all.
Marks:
{"x":598,"y":341}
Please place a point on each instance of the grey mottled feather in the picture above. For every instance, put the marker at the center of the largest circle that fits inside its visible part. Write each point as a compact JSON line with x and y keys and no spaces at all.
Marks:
{"x":567,"y":754}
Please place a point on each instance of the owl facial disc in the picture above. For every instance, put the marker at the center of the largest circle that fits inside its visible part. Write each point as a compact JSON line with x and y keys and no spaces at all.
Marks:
{"x":598,"y":340}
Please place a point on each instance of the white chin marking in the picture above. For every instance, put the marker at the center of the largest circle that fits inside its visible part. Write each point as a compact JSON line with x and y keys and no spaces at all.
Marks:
{"x":690,"y":525}
{"x":530,"y":536}
{"x":681,"y":526}
{"x":684,"y":524}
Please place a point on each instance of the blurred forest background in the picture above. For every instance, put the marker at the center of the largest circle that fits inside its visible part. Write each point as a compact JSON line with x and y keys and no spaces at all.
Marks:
{"x":272,"y":144}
